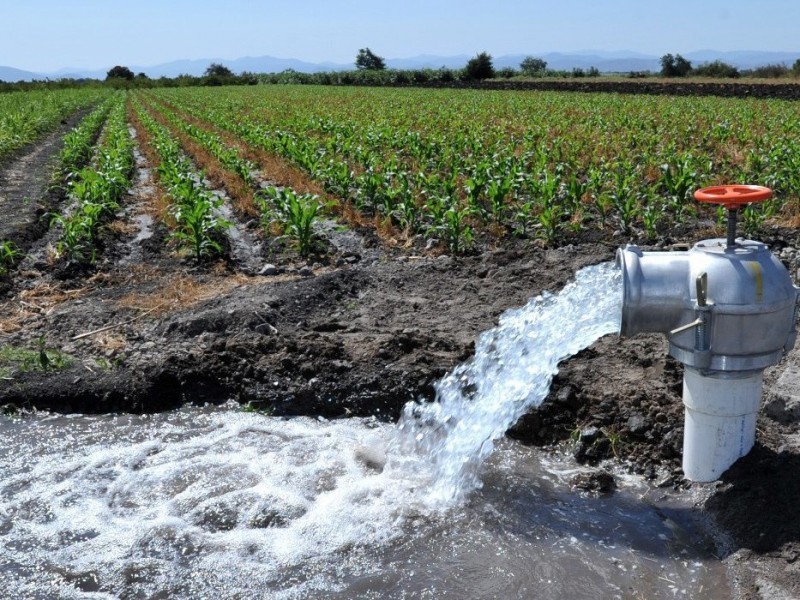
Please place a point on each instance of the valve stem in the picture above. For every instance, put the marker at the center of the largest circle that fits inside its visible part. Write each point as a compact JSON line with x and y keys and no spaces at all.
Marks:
{"x":731,"y":227}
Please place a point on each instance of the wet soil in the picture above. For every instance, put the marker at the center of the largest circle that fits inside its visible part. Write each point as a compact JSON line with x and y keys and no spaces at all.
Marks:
{"x":363,"y":328}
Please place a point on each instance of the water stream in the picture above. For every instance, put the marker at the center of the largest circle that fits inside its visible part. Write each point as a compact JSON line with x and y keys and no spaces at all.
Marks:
{"x":218,"y":503}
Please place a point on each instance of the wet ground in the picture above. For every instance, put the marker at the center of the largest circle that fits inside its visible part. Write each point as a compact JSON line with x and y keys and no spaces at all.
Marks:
{"x":364,"y":327}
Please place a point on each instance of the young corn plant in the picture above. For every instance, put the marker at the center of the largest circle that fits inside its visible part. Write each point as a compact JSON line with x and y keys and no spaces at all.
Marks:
{"x":300,"y":220}
{"x":9,"y":254}
{"x":75,"y":241}
{"x":623,"y":198}
{"x":455,"y":230}
{"x":199,"y":226}
{"x":296,"y":213}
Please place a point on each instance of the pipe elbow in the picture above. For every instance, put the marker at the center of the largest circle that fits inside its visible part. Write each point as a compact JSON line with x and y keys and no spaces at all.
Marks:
{"x":656,"y":290}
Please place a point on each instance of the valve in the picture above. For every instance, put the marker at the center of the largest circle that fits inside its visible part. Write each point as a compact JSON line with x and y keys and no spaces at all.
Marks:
{"x":728,"y":313}
{"x":732,"y":197}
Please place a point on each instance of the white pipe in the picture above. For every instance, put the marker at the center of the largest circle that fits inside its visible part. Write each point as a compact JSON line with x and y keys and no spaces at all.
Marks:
{"x":720,"y":425}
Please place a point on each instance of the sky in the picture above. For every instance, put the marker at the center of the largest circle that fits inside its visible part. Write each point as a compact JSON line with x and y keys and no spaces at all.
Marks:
{"x":45,"y":35}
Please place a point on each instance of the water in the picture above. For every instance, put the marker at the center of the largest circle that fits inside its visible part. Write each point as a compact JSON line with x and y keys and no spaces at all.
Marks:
{"x":218,"y":503}
{"x":510,"y":373}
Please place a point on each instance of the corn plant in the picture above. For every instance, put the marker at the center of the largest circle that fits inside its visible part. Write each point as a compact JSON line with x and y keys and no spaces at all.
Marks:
{"x":9,"y":254}
{"x":198,"y":227}
{"x":301,"y":215}
{"x":296,"y":213}
{"x":75,"y":241}
{"x":455,"y":230}
{"x":623,"y":197}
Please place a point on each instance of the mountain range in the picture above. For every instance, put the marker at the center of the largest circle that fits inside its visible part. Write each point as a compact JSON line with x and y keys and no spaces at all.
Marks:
{"x":605,"y":61}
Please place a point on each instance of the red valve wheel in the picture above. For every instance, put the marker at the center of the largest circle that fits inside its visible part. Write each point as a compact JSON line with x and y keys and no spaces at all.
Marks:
{"x":733,"y":196}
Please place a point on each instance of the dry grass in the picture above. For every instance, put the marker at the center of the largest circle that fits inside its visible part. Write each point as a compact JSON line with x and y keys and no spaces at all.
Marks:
{"x":36,"y":302}
{"x":109,"y":342}
{"x":121,"y":228}
{"x":182,"y":291}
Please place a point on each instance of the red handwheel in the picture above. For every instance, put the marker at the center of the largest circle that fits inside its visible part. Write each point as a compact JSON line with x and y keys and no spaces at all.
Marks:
{"x":733,"y":196}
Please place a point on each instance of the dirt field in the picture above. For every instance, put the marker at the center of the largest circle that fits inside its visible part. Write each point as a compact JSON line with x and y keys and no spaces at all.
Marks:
{"x":365,"y":326}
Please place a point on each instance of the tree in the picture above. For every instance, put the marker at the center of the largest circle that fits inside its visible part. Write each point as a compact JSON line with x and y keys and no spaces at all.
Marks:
{"x":682,"y":66}
{"x":533,"y":66}
{"x":120,"y":72}
{"x":366,"y":59}
{"x":218,"y":70}
{"x":675,"y":66}
{"x":480,"y":67}
{"x":796,"y":68}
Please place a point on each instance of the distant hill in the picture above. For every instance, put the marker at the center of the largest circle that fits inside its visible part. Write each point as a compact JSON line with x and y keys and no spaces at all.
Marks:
{"x":12,"y":74}
{"x":604,"y":61}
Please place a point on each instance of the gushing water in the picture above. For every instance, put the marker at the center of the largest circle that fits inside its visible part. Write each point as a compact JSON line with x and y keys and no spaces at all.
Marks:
{"x":510,"y":373}
{"x":217,"y":502}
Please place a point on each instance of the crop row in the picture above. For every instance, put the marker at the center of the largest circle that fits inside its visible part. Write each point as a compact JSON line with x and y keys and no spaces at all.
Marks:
{"x":446,"y":162}
{"x":282,"y":208}
{"x":194,"y":209}
{"x":79,"y":141}
{"x":25,"y":116}
{"x":97,"y":188}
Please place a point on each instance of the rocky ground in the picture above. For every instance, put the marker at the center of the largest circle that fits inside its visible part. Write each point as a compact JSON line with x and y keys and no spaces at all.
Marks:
{"x":363,"y":329}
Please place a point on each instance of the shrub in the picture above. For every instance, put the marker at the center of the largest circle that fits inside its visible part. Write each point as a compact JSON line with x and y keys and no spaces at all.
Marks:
{"x":506,"y":73}
{"x":774,"y":71}
{"x":716,"y":68}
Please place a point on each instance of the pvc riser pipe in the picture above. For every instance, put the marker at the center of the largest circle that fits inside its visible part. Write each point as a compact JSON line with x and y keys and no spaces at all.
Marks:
{"x":720,"y":424}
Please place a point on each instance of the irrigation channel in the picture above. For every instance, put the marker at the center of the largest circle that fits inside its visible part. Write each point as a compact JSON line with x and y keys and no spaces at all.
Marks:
{"x":216,"y":502}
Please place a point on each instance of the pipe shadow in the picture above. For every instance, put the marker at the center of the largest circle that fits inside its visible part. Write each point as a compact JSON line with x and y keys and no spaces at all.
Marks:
{"x":756,"y":502}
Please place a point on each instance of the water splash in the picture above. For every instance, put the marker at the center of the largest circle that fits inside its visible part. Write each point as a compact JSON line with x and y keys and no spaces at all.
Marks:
{"x":510,"y":373}
{"x":196,"y":502}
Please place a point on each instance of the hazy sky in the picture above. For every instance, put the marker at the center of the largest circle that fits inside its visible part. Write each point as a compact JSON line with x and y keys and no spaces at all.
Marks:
{"x":44,"y":35}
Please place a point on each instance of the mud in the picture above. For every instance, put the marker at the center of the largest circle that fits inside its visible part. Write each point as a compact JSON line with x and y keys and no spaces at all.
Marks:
{"x":363,"y":328}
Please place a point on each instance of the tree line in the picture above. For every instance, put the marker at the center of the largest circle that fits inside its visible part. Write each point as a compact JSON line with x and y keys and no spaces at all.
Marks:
{"x":371,"y":69}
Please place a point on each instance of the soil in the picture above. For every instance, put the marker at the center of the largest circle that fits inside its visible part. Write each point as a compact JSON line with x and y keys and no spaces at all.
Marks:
{"x":364,"y":326}
{"x":678,"y":87}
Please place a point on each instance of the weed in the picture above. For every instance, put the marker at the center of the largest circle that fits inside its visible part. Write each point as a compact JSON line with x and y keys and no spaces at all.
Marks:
{"x":258,"y":408}
{"x":14,"y":360}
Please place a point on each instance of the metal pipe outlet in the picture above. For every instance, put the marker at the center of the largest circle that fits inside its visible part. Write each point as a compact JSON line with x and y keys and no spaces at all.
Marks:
{"x":728,"y":311}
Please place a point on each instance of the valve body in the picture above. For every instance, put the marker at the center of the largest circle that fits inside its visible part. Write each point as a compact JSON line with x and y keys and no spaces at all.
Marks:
{"x":728,"y":313}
